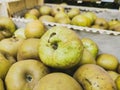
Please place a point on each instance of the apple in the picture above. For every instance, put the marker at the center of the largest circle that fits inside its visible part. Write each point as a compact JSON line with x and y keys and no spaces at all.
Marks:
{"x":10,"y":45}
{"x":63,"y":4}
{"x":113,"y":74}
{"x":91,"y":46}
{"x":60,"y":47}
{"x":20,"y":33}
{"x":94,"y":77}
{"x":57,"y":81}
{"x":112,"y":22}
{"x":34,"y":11}
{"x":117,"y":82}
{"x":102,"y":22}
{"x":87,"y":58}
{"x":62,"y":17}
{"x":7,"y":27}
{"x":81,"y":20}
{"x":107,"y":61}
{"x":118,"y":68}
{"x":34,"y":29}
{"x":45,"y":10}
{"x":47,"y":18}
{"x":91,"y":15}
{"x":1,"y":85}
{"x":6,"y":61}
{"x":28,"y":49}
{"x":30,"y":16}
{"x":73,"y":12}
{"x":24,"y":75}
{"x":56,"y":9}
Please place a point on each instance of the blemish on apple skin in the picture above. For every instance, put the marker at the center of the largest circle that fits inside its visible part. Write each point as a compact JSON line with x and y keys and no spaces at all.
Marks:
{"x":51,"y":35}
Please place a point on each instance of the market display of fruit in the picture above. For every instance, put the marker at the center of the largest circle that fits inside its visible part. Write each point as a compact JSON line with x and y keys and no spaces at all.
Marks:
{"x":36,"y":57}
{"x":72,"y":16}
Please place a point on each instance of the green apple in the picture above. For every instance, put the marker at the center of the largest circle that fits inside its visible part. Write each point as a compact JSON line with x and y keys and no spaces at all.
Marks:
{"x":113,"y":74}
{"x":63,"y":4}
{"x":1,"y":85}
{"x":28,"y":49}
{"x":24,"y":75}
{"x":97,"y":27}
{"x":87,"y":58}
{"x":91,"y":46}
{"x":30,"y":16}
{"x":34,"y":11}
{"x":10,"y":45}
{"x":73,"y":12}
{"x":62,"y":17}
{"x":118,"y":68}
{"x":107,"y":61}
{"x":5,"y":63}
{"x":58,"y":81}
{"x":20,"y":33}
{"x":102,"y":22}
{"x":45,"y":10}
{"x":81,"y":20}
{"x":117,"y":82}
{"x":91,"y":15}
{"x":115,"y":27}
{"x":7,"y":27}
{"x":60,"y":47}
{"x":56,"y":9}
{"x":34,"y":29}
{"x":47,"y":18}
{"x":112,"y":22}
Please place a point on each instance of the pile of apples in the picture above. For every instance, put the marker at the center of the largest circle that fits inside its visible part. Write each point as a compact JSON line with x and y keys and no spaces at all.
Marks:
{"x":56,"y":58}
{"x":73,"y":16}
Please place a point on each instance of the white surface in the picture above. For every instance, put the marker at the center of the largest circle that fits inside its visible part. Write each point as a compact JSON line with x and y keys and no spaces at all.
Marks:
{"x":107,"y":0}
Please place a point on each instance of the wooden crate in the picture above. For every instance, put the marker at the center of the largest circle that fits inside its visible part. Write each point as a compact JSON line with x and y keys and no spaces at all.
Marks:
{"x":13,"y":6}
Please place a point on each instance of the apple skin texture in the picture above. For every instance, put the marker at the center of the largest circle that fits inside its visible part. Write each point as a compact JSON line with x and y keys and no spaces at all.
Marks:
{"x":1,"y":85}
{"x":94,"y":77}
{"x":7,"y":27}
{"x":57,"y":81}
{"x":60,"y":47}
{"x":5,"y":63}
{"x":24,"y":75}
{"x":91,"y":46}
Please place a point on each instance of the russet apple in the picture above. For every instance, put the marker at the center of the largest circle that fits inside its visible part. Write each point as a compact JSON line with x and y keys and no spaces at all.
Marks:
{"x":81,"y":20}
{"x":58,"y":81}
{"x":28,"y":49}
{"x":7,"y":27}
{"x":20,"y":33}
{"x":34,"y":11}
{"x":10,"y":45}
{"x":25,"y":74}
{"x":62,"y":17}
{"x":34,"y":29}
{"x":87,"y":58}
{"x":30,"y":16}
{"x":73,"y":12}
{"x":60,"y":47}
{"x":56,"y":9}
{"x":91,"y":15}
{"x":6,"y":61}
{"x":45,"y":10}
{"x":47,"y":18}
{"x":91,"y":46}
